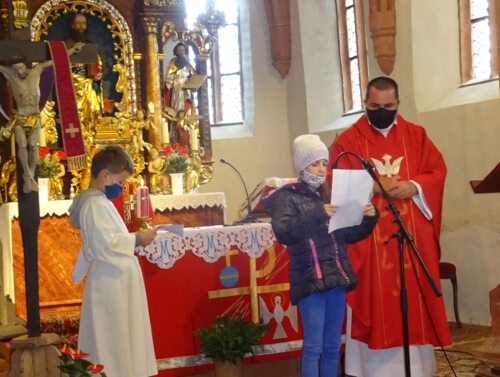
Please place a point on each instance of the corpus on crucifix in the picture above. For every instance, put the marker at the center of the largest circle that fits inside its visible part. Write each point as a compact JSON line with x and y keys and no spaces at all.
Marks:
{"x":25,"y":123}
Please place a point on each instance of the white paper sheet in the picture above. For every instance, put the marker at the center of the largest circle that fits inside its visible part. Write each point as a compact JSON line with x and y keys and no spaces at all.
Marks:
{"x":351,"y":191}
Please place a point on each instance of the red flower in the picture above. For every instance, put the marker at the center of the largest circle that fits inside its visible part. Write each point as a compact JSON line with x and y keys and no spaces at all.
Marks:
{"x":75,"y":355}
{"x":95,"y":368}
{"x":61,"y":155}
{"x":167,"y":149}
{"x":44,"y":151}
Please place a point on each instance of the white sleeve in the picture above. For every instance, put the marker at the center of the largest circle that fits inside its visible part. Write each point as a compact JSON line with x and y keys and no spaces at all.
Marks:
{"x":106,"y":234}
{"x":419,"y":200}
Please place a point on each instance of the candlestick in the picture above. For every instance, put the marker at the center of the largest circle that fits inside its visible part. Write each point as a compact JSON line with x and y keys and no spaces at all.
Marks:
{"x":142,"y":203}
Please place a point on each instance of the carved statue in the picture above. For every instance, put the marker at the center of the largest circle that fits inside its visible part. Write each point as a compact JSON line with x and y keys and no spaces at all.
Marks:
{"x":26,"y":124}
{"x":86,"y":77}
{"x":184,"y":123}
{"x":137,"y":126}
{"x":56,"y":183}
{"x":8,"y":180}
{"x":156,"y":168}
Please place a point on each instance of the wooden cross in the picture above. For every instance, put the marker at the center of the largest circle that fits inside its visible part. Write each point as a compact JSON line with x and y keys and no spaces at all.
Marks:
{"x":29,"y":209}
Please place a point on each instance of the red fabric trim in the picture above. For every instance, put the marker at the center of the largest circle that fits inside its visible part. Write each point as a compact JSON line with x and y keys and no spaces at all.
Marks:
{"x":70,"y":121}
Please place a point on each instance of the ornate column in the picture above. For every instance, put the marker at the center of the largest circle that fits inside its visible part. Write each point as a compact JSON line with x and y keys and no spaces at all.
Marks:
{"x":383,"y":33}
{"x":152,"y":75}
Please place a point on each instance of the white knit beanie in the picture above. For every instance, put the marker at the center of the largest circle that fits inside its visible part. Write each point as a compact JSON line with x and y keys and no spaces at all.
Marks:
{"x":308,"y":149}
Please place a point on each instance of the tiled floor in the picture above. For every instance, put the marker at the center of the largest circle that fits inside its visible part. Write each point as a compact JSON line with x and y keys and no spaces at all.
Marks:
{"x":472,"y":349}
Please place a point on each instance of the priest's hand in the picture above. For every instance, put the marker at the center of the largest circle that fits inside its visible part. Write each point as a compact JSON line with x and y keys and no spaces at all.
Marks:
{"x":387,"y":182}
{"x":147,"y":236}
{"x":402,"y":190}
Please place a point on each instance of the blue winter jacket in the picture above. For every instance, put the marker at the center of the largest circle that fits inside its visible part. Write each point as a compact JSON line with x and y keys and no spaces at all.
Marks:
{"x":318,"y":259}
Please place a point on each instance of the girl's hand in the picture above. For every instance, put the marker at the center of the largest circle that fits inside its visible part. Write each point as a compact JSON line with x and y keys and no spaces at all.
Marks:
{"x":147,"y":236}
{"x":369,"y":210}
{"x":330,"y":209}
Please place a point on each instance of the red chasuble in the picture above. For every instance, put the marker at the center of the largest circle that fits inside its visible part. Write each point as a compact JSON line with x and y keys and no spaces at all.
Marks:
{"x":409,"y":153}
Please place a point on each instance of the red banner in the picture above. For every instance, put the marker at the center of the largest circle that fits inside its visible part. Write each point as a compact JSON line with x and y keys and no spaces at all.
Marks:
{"x":70,"y":121}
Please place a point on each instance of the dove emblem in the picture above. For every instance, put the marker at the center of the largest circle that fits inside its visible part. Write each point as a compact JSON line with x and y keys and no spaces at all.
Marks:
{"x":386,"y":168}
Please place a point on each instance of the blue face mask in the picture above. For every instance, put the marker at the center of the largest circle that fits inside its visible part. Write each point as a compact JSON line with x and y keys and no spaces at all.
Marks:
{"x":113,"y":191}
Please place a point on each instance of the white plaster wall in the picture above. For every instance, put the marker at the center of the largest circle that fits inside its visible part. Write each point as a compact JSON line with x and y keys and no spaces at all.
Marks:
{"x":266,"y":152}
{"x":464,"y":123}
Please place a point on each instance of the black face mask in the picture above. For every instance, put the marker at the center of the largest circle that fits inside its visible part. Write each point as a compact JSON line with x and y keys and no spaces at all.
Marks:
{"x":381,"y":118}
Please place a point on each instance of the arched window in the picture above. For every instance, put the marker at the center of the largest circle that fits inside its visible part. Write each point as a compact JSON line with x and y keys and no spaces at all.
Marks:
{"x":224,"y":66}
{"x":478,"y":53}
{"x":352,"y":48}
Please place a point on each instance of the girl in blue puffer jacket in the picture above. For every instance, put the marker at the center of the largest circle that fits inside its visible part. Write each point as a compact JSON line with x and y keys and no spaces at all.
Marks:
{"x":320,"y":274}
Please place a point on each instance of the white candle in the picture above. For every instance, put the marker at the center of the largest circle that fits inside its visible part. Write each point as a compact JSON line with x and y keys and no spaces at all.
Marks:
{"x":151,"y":107}
{"x":142,"y":203}
{"x":165,"y":135}
{"x":193,"y":139}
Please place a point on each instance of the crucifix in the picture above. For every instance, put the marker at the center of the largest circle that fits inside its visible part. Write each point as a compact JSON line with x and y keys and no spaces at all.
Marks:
{"x":29,"y":211}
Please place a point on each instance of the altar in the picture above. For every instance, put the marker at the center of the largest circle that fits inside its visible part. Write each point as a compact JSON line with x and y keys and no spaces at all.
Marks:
{"x":212,"y":270}
{"x":59,"y":244}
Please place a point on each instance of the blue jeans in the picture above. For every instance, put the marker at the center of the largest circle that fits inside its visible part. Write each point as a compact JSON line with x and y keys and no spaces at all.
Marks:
{"x":322,"y":315}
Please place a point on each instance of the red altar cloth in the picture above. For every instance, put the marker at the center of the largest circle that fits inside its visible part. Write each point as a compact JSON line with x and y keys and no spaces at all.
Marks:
{"x":187,"y":296}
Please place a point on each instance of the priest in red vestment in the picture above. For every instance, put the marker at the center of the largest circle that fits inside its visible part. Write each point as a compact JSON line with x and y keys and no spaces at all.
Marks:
{"x":412,"y":171}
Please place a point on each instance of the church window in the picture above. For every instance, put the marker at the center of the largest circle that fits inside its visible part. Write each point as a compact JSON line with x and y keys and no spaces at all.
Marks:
{"x":224,"y":70}
{"x":352,"y":47}
{"x":478,"y":58}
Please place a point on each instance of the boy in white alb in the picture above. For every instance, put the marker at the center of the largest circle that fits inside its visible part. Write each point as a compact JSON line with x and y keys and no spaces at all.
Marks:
{"x":114,"y":324}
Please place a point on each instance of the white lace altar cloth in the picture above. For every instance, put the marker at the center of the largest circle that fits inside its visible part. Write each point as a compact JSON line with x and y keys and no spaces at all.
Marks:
{"x":209,"y":243}
{"x":194,"y":200}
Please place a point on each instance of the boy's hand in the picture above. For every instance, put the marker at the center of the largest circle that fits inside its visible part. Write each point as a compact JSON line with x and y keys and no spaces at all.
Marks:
{"x":147,"y":236}
{"x":330,"y":209}
{"x":369,"y":210}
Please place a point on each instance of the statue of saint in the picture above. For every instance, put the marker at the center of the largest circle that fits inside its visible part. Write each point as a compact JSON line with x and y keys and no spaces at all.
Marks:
{"x":86,"y":77}
{"x":25,"y":123}
{"x":178,"y":71}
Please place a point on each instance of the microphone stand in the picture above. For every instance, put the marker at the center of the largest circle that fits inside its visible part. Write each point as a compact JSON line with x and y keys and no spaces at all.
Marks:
{"x":402,"y":234}
{"x":249,"y":218}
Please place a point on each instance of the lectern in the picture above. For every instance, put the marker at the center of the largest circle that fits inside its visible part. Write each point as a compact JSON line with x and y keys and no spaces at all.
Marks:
{"x":490,"y":184}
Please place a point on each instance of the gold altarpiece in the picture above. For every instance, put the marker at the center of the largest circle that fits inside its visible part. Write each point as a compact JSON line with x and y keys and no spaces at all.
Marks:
{"x":137,"y":82}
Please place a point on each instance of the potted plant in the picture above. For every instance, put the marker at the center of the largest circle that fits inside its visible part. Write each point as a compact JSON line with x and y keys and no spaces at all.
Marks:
{"x":74,"y":364}
{"x":227,"y":340}
{"x":176,"y":164}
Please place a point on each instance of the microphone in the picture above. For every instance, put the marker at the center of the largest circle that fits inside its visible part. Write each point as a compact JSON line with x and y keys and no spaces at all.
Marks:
{"x":365,"y":163}
{"x":248,"y":218}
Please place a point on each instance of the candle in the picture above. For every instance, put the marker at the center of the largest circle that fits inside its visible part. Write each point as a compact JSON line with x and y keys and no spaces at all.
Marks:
{"x":142,"y":203}
{"x":151,"y":107}
{"x":193,"y":139}
{"x":165,"y":136}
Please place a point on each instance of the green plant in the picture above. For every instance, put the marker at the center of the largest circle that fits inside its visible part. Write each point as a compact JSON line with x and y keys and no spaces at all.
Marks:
{"x":74,"y":364}
{"x":49,"y":164}
{"x":229,"y":339}
{"x":176,"y":158}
